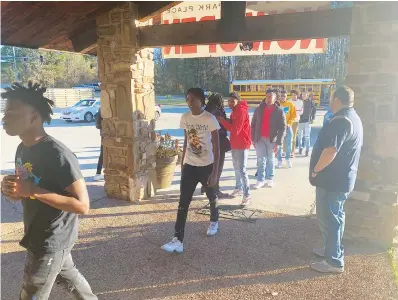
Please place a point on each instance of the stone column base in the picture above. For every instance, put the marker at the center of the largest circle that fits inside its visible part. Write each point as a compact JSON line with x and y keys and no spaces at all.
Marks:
{"x":372,"y":216}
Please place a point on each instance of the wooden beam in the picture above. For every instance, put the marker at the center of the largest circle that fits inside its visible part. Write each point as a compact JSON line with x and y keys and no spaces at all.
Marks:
{"x":292,"y":26}
{"x":233,"y":14}
{"x":85,"y":40}
{"x":150,"y":9}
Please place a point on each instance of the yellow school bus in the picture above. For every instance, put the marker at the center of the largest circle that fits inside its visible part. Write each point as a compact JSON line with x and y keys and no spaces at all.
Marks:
{"x":254,"y":90}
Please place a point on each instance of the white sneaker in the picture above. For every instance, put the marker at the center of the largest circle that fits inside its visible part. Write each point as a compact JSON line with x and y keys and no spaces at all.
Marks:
{"x":246,"y":200}
{"x":289,"y":164}
{"x":175,"y":245}
{"x":270,"y":183}
{"x":236,"y":192}
{"x":279,"y":165}
{"x":259,"y":185}
{"x":324,"y":267}
{"x":319,"y":251}
{"x":212,"y":229}
{"x":99,"y":177}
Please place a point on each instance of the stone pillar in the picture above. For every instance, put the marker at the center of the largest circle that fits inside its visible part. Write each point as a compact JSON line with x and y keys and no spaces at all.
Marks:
{"x":371,"y":211}
{"x":127,"y":105}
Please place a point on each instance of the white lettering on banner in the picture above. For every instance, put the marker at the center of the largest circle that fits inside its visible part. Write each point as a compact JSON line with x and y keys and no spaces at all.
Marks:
{"x":187,"y":12}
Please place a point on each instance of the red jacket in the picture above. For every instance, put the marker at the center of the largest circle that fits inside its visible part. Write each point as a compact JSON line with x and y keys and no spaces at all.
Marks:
{"x":239,"y":126}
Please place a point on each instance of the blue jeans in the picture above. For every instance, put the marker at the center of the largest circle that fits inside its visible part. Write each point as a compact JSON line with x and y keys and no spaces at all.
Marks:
{"x":331,"y":216}
{"x":304,"y":130}
{"x":265,"y":159}
{"x":239,"y":160}
{"x":288,"y":143}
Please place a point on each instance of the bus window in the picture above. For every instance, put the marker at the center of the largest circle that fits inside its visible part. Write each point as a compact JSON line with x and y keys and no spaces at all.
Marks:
{"x":243,"y":88}
{"x":236,"y":88}
{"x":261,"y":88}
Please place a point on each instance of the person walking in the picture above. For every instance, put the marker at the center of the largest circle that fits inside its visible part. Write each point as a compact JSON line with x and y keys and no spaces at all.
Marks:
{"x":267,"y":131}
{"x":333,"y":171}
{"x":215,"y":106}
{"x":290,"y":112}
{"x":298,"y":104}
{"x":98,"y":124}
{"x":239,"y":126}
{"x":306,"y":119}
{"x":200,"y":160}
{"x":51,"y":187}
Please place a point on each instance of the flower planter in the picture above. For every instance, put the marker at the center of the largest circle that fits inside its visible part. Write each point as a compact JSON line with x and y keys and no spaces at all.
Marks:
{"x":163,"y":174}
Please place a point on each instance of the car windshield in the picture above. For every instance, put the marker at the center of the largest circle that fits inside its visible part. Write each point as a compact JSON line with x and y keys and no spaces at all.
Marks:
{"x":84,"y":103}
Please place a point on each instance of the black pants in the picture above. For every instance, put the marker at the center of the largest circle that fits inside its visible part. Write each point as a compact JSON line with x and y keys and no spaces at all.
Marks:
{"x":190,"y":177}
{"x":100,"y":160}
{"x":220,"y":167}
{"x":43,"y":270}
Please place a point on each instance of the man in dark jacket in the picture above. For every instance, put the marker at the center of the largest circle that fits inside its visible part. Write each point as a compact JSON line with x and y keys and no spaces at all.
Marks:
{"x":333,"y":171}
{"x":267,"y":131}
{"x":306,"y":119}
{"x":98,"y":123}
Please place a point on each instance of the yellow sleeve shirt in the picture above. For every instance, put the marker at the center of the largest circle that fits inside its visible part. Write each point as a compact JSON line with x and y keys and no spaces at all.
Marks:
{"x":290,"y":112}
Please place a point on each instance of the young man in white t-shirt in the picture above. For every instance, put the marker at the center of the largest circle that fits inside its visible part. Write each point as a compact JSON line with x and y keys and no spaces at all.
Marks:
{"x":298,"y":103}
{"x":200,"y":161}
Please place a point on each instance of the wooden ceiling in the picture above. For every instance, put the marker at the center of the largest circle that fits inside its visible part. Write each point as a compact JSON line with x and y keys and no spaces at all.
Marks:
{"x":57,"y":24}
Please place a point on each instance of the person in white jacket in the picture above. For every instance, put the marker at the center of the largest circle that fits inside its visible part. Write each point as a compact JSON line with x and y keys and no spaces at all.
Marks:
{"x":298,"y":103}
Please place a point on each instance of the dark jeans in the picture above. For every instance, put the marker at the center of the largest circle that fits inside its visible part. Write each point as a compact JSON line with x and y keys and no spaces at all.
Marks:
{"x":190,"y":178}
{"x":42,"y":270}
{"x":100,"y":160}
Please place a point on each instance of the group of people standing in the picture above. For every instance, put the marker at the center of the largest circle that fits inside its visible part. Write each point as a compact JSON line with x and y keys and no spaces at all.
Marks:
{"x":276,"y":124}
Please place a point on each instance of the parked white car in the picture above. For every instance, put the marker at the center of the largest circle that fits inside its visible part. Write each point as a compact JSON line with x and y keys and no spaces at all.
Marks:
{"x":84,"y":110}
{"x":87,"y":109}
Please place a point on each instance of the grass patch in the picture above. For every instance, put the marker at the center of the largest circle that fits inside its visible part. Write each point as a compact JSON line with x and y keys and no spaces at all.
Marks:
{"x":391,"y":255}
{"x":173,"y":102}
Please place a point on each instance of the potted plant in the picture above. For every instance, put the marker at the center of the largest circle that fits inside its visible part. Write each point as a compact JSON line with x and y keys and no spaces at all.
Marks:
{"x":168,"y":152}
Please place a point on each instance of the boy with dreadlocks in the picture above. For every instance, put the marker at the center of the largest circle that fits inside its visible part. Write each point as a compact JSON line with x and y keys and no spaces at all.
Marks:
{"x":51,"y":187}
{"x":200,"y":160}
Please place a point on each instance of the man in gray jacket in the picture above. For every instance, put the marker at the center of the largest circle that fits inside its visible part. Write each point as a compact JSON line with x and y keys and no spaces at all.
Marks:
{"x":267,"y":130}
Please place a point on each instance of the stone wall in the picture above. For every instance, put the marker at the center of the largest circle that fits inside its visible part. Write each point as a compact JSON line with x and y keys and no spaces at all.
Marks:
{"x":127,"y":105}
{"x":371,"y":211}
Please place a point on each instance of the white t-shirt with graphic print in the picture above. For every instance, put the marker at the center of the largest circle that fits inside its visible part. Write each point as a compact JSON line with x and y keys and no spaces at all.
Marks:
{"x":199,"y":151}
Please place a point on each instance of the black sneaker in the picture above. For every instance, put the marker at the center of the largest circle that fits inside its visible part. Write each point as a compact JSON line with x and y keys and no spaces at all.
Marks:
{"x":301,"y":151}
{"x":307,"y":153}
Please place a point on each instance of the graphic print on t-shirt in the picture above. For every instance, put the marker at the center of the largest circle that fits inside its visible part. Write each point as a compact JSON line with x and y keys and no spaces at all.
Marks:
{"x":25,"y":171}
{"x":194,"y":141}
{"x":286,"y":109}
